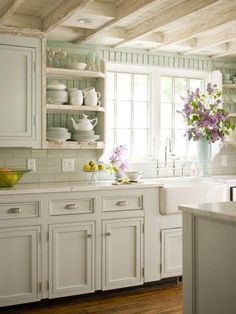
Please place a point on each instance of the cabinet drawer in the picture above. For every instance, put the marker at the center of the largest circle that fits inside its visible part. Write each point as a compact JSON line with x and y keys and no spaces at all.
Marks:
{"x":19,"y":210}
{"x":70,"y":207}
{"x":130,"y":202}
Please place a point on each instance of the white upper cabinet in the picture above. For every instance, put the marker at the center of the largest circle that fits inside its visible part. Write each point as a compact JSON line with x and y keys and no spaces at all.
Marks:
{"x":20,"y":91}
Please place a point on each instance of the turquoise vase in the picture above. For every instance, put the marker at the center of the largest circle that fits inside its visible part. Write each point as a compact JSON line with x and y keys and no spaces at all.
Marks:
{"x":204,"y":149}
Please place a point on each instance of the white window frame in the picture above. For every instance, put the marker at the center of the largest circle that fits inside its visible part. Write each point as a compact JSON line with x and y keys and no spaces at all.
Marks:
{"x":152,"y":72}
{"x":155,"y":73}
{"x":206,"y":76}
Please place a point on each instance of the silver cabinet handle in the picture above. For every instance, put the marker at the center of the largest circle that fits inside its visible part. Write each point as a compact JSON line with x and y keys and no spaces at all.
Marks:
{"x":14,"y":210}
{"x":71,"y":206}
{"x":108,"y":234}
{"x":122,"y":203}
{"x":89,"y":236}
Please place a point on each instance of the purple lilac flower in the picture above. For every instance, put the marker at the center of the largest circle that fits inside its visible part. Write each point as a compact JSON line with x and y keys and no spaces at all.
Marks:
{"x":206,"y":120}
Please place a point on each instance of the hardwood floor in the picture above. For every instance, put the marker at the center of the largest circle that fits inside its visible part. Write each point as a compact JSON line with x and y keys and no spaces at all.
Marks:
{"x":164,"y":299}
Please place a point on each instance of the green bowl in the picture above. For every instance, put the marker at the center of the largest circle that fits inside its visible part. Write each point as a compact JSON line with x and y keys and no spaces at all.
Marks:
{"x":9,"y":177}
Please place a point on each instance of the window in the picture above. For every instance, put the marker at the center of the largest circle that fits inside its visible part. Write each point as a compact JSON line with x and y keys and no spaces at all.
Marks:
{"x":128,"y":111}
{"x":172,"y":125}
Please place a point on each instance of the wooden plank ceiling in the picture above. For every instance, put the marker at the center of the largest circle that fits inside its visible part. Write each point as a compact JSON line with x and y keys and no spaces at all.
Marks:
{"x":204,"y":27}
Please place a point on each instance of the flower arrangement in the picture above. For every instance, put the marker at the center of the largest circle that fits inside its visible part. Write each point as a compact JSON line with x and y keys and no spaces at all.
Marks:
{"x":204,"y":116}
{"x":117,"y":162}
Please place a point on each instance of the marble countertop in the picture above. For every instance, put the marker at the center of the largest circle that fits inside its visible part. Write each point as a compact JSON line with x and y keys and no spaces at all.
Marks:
{"x":222,"y":210}
{"x":28,"y":188}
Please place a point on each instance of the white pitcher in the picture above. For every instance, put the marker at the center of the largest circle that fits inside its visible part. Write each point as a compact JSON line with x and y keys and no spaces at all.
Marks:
{"x":76,"y":98}
{"x":91,"y":97}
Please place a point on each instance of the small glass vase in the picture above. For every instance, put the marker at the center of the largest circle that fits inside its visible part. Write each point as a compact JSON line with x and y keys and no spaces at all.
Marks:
{"x":204,"y":150}
{"x":118,"y":175}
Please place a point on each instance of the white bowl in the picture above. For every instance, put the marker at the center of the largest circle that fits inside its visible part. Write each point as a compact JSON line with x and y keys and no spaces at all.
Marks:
{"x":134,"y":175}
{"x":77,"y":66}
{"x":56,"y":96}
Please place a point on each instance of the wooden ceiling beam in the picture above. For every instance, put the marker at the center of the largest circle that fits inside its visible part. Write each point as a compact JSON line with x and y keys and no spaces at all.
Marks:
{"x":165,"y":18}
{"x":63,"y":12}
{"x":214,"y":39}
{"x":11,"y":9}
{"x":195,"y":29}
{"x":123,"y":12}
{"x":230,"y":51}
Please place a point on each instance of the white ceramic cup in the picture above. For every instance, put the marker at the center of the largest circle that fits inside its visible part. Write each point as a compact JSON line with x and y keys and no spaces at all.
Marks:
{"x":134,"y":175}
{"x":76,"y":98}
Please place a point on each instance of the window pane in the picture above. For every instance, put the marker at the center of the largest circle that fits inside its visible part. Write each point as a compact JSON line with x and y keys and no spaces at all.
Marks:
{"x":166,"y":115}
{"x":124,"y":138}
{"x":110,"y":140}
{"x":123,"y":114}
{"x":179,"y":121}
{"x":110,"y":85}
{"x":164,"y":135}
{"x":140,"y":87}
{"x":140,"y":115}
{"x":123,"y":86}
{"x":192,"y":149}
{"x":140,"y":143}
{"x":194,"y":83}
{"x":180,"y":143}
{"x":110,"y":114}
{"x":166,"y":89}
{"x":180,"y":88}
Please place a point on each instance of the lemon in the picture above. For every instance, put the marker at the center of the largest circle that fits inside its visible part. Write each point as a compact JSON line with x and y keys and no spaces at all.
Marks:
{"x":12,"y":179}
{"x":101,"y":167}
{"x":94,"y":168}
{"x":86,"y":167}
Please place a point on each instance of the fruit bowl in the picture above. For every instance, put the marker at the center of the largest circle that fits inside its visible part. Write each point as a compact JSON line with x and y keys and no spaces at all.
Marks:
{"x":9,"y":177}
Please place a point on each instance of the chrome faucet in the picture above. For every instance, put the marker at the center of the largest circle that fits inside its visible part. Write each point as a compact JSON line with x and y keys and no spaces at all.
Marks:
{"x":168,"y":149}
{"x":157,"y":168}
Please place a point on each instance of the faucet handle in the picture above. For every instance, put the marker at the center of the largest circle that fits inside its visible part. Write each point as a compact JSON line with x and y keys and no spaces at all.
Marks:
{"x":182,"y":169}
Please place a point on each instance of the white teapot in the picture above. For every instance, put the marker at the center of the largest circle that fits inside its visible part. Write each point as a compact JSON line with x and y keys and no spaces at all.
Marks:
{"x":91,"y":97}
{"x":84,"y":124}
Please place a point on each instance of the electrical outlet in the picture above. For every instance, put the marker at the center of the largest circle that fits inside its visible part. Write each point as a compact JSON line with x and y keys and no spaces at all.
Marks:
{"x":31,"y":164}
{"x":68,"y":165}
{"x":224,"y":161}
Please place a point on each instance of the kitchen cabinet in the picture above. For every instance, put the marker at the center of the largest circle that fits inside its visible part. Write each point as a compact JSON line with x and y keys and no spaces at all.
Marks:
{"x":82,"y":241}
{"x":60,"y":115}
{"x":171,"y":252}
{"x":20,"y":89}
{"x":229,"y":99}
{"x":71,"y":259}
{"x":20,"y":265}
{"x":122,"y":253}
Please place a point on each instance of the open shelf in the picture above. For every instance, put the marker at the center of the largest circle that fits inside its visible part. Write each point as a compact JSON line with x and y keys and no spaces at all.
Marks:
{"x":72,"y":74}
{"x":70,"y":108}
{"x":229,"y":86}
{"x":74,"y":145}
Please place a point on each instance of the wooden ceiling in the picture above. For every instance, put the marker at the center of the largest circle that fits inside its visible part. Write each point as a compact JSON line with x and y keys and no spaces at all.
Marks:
{"x":206,"y":27}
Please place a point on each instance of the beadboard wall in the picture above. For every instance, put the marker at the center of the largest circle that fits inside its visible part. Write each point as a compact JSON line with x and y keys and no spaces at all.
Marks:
{"x":48,"y":162}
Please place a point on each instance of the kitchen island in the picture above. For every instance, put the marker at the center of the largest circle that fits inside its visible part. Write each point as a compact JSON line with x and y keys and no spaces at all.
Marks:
{"x":209,"y":258}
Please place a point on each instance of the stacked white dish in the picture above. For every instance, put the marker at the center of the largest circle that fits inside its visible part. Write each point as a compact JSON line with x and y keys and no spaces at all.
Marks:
{"x":58,"y":135}
{"x":56,"y":93}
{"x":85,"y":136}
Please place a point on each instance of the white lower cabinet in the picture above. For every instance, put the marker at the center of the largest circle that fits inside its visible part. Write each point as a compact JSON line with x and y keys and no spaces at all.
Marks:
{"x":71,"y":259}
{"x":122,"y":262}
{"x":171,"y":252}
{"x":20,"y":265}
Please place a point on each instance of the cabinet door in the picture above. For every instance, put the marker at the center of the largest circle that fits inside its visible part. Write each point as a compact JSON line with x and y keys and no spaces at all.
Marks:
{"x":20,"y":265}
{"x":19,"y":93}
{"x":171,"y":252}
{"x":71,"y":259}
{"x":122,"y":253}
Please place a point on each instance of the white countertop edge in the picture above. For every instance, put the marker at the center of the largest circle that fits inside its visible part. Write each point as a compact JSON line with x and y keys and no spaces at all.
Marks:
{"x":57,"y":187}
{"x":222,"y":210}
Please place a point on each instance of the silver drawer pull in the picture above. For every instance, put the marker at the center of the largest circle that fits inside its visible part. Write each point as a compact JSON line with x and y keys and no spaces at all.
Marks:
{"x":14,"y":210}
{"x":122,"y":203}
{"x":108,"y":234}
{"x":89,"y":236}
{"x":71,"y":206}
